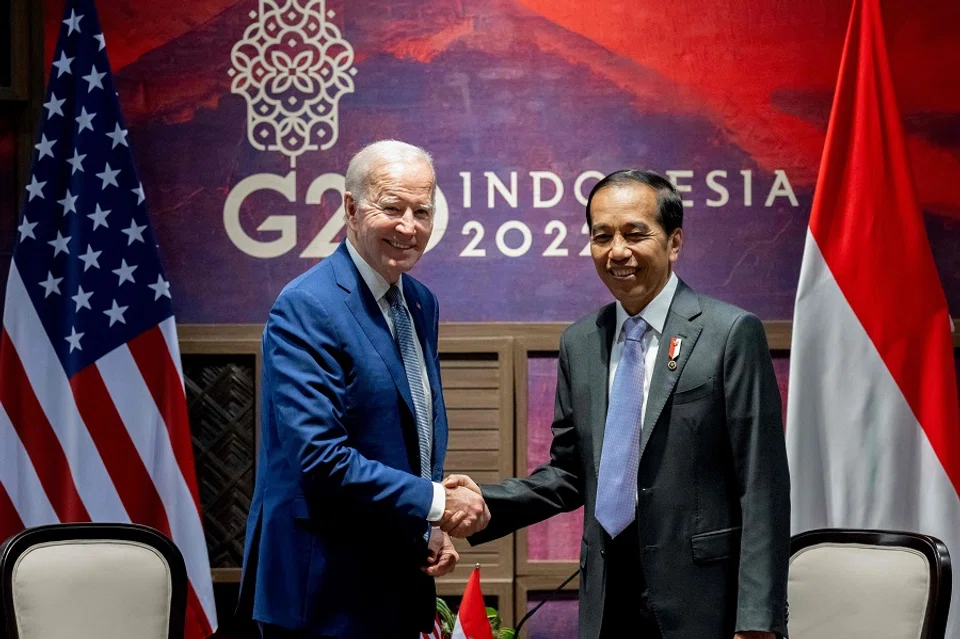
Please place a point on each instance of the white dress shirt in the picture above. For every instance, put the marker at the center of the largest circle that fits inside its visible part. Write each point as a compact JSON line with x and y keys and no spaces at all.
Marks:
{"x":655,"y":315}
{"x":378,"y":287}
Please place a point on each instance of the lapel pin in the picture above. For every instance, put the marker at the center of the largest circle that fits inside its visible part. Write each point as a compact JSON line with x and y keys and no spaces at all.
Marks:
{"x":674,"y":352}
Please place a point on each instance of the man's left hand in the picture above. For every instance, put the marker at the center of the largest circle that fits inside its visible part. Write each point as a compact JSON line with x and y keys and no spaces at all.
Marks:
{"x":442,"y":557}
{"x":755,"y":634}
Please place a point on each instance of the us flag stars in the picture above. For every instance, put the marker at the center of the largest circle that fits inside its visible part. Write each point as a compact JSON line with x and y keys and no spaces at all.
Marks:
{"x":84,"y":235}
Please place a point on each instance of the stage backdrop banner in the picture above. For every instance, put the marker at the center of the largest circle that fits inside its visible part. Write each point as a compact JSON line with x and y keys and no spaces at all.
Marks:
{"x":244,"y":115}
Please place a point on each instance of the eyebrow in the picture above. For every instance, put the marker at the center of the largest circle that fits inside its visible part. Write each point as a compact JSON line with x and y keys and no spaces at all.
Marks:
{"x":632,"y":226}
{"x":387,"y":200}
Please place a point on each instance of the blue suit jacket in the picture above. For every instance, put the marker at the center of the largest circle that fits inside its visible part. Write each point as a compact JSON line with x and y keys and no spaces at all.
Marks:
{"x":335,"y":535}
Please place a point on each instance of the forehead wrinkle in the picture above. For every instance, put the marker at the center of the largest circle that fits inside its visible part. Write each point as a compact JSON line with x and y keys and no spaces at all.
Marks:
{"x":384,"y":194}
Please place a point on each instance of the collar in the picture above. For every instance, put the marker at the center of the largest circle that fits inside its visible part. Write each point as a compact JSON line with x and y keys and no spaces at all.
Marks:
{"x":655,"y":313}
{"x":374,"y":281}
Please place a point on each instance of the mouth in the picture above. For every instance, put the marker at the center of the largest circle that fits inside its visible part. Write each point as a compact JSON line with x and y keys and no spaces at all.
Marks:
{"x":622,"y":272}
{"x":400,"y":246}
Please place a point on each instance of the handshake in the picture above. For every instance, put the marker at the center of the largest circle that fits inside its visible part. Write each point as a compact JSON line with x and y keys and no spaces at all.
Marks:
{"x":464,"y":512}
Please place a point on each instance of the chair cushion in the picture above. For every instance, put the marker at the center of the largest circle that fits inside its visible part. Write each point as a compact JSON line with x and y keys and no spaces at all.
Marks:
{"x":96,"y":589}
{"x":854,"y":591}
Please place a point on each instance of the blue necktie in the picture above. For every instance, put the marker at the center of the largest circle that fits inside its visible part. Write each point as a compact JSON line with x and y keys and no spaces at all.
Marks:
{"x":616,"y":503}
{"x":405,"y":336}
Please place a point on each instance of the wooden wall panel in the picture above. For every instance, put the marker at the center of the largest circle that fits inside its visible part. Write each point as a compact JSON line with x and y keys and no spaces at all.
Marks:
{"x":539,"y":587}
{"x":221,"y":408}
{"x":477,"y":376}
{"x":235,"y":350}
{"x":548,"y":341}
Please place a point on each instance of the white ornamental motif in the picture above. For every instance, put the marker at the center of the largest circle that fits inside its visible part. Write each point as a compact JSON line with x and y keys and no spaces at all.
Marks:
{"x":292,"y":67}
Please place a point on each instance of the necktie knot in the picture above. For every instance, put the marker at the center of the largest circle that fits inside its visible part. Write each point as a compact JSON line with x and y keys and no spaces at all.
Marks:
{"x":393,"y":296}
{"x":634,"y":328}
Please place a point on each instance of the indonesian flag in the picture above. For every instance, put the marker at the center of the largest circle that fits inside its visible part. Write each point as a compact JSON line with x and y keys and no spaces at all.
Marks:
{"x":472,"y":622}
{"x":873,"y":422}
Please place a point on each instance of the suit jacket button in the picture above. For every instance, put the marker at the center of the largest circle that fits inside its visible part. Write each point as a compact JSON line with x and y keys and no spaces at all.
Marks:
{"x":603,"y":553}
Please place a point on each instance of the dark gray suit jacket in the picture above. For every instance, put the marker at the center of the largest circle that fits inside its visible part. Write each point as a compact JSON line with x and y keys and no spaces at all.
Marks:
{"x":714,"y":490}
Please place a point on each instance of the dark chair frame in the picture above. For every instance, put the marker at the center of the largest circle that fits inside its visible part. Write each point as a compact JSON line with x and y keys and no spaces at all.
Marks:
{"x":13,"y":548}
{"x":938,"y":558}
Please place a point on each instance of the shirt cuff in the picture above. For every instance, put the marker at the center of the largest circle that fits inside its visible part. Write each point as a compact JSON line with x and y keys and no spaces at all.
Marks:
{"x":439,"y":501}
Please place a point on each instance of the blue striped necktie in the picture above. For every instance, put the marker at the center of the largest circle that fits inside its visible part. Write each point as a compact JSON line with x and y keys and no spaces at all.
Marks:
{"x":404,"y":335}
{"x":616,"y":505}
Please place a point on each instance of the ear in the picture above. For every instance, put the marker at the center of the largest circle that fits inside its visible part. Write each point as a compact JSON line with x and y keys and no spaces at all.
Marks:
{"x":351,"y":209}
{"x":674,"y":242}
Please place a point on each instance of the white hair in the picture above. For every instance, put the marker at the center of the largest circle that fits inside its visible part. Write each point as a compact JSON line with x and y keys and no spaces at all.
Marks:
{"x":362,"y":166}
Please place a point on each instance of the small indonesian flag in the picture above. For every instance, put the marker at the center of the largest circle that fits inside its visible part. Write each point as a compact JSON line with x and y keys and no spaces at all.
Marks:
{"x":472,"y":622}
{"x":674,"y":347}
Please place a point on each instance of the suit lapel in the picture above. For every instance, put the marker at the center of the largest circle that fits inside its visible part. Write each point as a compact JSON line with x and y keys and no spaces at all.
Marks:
{"x":367,"y":312}
{"x":680,"y":323}
{"x":599,"y":373}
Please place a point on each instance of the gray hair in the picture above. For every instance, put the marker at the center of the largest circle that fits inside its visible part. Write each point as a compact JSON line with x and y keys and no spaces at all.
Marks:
{"x":362,"y":165}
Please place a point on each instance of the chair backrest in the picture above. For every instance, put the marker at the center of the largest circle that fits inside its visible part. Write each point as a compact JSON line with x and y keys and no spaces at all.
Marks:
{"x":92,"y":581}
{"x":867,"y":584}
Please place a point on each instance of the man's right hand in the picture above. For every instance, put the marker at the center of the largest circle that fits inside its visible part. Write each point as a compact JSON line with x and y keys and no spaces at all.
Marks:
{"x":465,"y":512}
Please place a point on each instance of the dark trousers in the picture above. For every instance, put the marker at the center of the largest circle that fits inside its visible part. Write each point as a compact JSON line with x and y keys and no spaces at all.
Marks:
{"x":268,"y":631}
{"x":626,"y":612}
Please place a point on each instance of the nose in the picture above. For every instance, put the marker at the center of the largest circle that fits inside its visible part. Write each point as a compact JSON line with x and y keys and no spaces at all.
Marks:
{"x":619,"y":251}
{"x":406,"y":223}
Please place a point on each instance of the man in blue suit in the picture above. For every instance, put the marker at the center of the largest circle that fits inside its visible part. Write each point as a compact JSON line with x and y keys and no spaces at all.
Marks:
{"x":353,"y":427}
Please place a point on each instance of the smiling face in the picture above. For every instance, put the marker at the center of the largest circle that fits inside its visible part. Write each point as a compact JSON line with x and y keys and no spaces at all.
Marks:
{"x":633,"y":254}
{"x":391,"y":224}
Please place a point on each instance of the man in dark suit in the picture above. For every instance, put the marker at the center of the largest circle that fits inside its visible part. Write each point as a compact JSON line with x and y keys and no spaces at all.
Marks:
{"x":354,"y":429}
{"x":668,"y":430}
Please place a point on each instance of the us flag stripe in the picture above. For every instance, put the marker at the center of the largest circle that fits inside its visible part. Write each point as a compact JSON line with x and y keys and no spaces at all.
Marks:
{"x":169,"y":329}
{"x":120,"y":457}
{"x":20,"y":483}
{"x":37,"y":437}
{"x":153,"y":358}
{"x":10,"y":521}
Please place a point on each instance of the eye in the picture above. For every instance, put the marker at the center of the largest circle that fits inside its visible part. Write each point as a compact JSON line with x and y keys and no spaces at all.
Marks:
{"x":390,"y":208}
{"x":600,"y":238}
{"x":422,"y":213}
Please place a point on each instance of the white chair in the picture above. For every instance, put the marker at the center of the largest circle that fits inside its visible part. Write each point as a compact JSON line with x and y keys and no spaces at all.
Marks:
{"x":868,"y":584}
{"x":92,"y":581}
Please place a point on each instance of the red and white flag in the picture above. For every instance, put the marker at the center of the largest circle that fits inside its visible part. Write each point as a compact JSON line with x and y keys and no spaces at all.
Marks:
{"x":873,"y":418}
{"x":472,"y":621}
{"x":93,"y":417}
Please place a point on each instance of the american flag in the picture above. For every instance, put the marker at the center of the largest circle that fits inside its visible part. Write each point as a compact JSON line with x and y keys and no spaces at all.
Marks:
{"x":93,"y":419}
{"x":436,"y":633}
